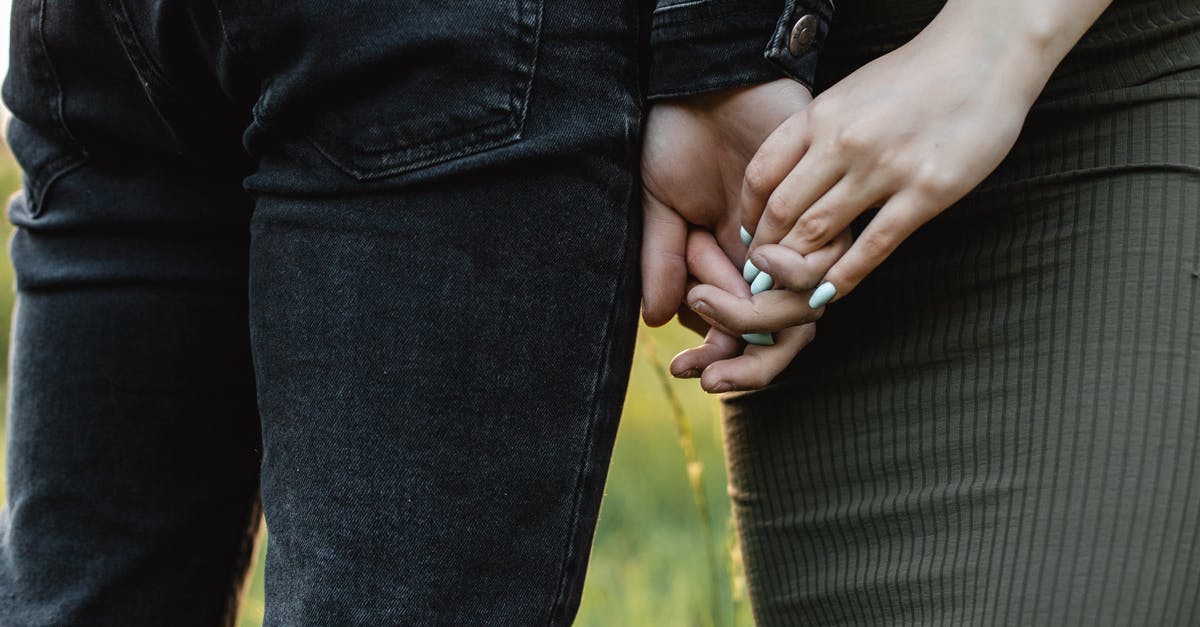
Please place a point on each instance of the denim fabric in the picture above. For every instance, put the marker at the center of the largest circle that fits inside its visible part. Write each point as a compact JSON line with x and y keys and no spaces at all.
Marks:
{"x":402,"y":238}
{"x":704,"y":45}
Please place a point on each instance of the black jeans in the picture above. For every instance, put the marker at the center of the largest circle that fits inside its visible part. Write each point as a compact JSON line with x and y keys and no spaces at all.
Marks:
{"x":401,"y":237}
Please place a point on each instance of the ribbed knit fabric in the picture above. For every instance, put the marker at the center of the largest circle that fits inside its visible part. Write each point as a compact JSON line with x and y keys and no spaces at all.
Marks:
{"x":1001,"y":426}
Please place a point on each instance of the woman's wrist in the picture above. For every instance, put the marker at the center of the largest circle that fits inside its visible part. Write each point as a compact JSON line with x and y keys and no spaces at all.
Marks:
{"x":1018,"y":43}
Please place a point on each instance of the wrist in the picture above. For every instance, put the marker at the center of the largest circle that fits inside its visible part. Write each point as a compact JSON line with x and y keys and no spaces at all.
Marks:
{"x":746,"y":115}
{"x":1017,"y":43}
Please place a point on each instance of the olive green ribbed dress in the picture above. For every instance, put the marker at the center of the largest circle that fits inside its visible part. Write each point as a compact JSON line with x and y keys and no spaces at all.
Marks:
{"x":1001,"y":426}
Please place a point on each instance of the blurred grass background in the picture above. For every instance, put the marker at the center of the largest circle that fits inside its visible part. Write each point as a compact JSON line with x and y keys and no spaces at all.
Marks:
{"x":657,"y":559}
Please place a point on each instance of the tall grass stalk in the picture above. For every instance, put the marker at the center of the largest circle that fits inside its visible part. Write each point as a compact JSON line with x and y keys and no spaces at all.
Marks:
{"x":695,"y":475}
{"x":737,"y":576}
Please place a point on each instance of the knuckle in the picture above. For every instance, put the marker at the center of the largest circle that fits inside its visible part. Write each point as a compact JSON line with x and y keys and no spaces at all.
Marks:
{"x":812,"y":228}
{"x":851,"y":139}
{"x":803,"y":283}
{"x":777,"y":212}
{"x":818,"y":113}
{"x":793,"y":275}
{"x":934,"y":180}
{"x":891,"y":169}
{"x":757,"y":179}
{"x":876,"y":244}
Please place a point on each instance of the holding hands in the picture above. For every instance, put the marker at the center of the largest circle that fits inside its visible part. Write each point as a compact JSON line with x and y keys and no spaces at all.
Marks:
{"x":694,"y":159}
{"x":910,"y":133}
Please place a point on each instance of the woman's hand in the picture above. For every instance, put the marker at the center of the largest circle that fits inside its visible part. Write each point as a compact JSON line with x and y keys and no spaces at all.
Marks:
{"x":723,"y":300}
{"x":912,"y":132}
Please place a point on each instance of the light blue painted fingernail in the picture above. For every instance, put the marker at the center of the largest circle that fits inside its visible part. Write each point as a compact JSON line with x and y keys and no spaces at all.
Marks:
{"x":823,"y":294}
{"x":749,"y":272}
{"x":762,"y":283}
{"x":758,"y":339}
{"x":746,"y":236}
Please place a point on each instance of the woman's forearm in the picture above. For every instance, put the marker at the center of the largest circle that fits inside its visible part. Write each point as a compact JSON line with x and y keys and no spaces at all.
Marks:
{"x":1020,"y":41}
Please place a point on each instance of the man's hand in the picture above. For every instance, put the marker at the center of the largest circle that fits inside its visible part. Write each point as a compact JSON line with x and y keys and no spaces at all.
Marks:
{"x":694,"y":157}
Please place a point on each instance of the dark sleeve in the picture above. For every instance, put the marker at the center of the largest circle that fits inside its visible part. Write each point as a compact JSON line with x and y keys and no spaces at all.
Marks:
{"x":704,"y":45}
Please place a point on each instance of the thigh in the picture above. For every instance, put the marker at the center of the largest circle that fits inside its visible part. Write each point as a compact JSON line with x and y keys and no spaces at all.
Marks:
{"x":1002,"y":424}
{"x":133,"y":442}
{"x":443,"y":296}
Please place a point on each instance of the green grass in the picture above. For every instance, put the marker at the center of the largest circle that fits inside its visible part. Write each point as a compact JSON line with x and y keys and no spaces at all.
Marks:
{"x":10,"y":180}
{"x":657,"y":559}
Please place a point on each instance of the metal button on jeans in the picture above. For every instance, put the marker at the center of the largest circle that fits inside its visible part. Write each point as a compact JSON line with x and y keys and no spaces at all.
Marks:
{"x":804,"y":33}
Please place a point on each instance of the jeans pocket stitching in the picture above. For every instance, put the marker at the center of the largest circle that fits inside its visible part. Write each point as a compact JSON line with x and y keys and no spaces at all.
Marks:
{"x":437,"y":152}
{"x":147,"y":68}
{"x":41,"y":177}
{"x":492,"y":133}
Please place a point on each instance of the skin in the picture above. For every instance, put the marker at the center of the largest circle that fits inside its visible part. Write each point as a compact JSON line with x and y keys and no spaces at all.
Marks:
{"x":912,"y":147}
{"x":694,"y":157}
{"x":724,"y":302}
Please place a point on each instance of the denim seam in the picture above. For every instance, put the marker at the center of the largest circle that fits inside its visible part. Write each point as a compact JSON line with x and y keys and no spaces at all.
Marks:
{"x":225,"y":30}
{"x":451,"y":139}
{"x":238,"y":54}
{"x":717,"y":19}
{"x":729,"y":82}
{"x":540,"y":9}
{"x":457,"y":138}
{"x":151,"y":75}
{"x":49,"y":172}
{"x":603,"y":373}
{"x":484,"y":136}
{"x":470,"y":144}
{"x":57,"y":106}
{"x":52,"y":170}
{"x":681,"y":5}
{"x":134,"y":47}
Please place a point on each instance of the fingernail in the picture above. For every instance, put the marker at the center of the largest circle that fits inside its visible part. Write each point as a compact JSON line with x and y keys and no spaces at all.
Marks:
{"x":749,"y":271}
{"x":746,"y":236}
{"x":701,"y":308}
{"x":759,"y":339}
{"x":822,"y":295}
{"x":762,"y":283}
{"x":723,"y":386}
{"x":689,"y":374}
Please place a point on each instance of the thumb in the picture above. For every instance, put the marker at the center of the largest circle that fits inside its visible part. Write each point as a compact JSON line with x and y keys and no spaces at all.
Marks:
{"x":664,"y":264}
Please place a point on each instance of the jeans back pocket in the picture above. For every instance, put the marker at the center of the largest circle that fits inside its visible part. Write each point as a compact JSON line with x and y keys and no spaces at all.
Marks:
{"x":382,"y":88}
{"x":37,"y":133}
